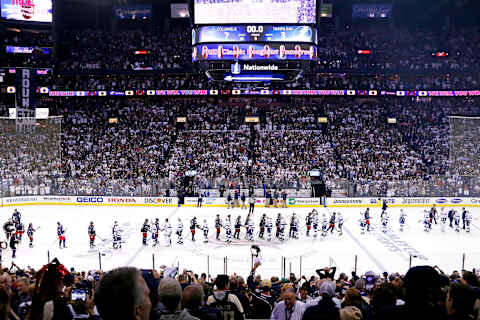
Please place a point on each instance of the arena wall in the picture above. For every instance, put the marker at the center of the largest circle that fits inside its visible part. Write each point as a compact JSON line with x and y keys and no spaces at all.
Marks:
{"x":221,"y":202}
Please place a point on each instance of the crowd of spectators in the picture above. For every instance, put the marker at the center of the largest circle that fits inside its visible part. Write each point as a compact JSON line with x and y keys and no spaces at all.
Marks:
{"x":137,"y":146}
{"x":54,"y":292}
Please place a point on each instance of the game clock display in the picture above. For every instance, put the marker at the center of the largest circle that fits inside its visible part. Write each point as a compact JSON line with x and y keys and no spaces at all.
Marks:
{"x":254,"y":33}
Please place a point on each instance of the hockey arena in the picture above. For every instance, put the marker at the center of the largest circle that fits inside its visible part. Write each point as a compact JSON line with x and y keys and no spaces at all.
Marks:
{"x":376,"y":250}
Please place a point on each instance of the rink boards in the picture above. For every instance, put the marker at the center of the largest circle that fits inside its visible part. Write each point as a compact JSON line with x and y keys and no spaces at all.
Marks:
{"x":222,"y":202}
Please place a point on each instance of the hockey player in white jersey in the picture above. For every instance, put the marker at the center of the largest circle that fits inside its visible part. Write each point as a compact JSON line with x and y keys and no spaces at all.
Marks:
{"x":324,"y":225}
{"x":205,"y":230}
{"x":117,"y":237}
{"x":227,"y":225}
{"x":167,"y":232}
{"x":179,"y":231}
{"x":340,"y":224}
{"x":427,"y":221}
{"x":269,"y":227}
{"x":281,"y":231}
{"x":443,"y":218}
{"x":384,"y":219}
{"x":468,"y":221}
{"x":456,"y":221}
{"x":294,"y":227}
{"x":251,"y":229}
{"x":402,"y":219}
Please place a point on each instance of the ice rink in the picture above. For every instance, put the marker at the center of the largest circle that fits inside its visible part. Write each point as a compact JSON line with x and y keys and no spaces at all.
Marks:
{"x":377,"y":251}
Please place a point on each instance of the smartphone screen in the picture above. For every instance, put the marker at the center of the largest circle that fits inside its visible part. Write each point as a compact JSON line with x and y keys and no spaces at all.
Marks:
{"x":79,"y":294}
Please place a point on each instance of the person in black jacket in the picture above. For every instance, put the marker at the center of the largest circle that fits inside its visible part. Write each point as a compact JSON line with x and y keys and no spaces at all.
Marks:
{"x":193,"y":299}
{"x":326,"y":308}
{"x":261,"y":301}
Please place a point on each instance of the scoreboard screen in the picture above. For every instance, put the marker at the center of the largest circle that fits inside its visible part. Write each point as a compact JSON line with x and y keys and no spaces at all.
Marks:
{"x":254,"y":33}
{"x":27,"y":10}
{"x":255,"y":11}
{"x":254,"y":51}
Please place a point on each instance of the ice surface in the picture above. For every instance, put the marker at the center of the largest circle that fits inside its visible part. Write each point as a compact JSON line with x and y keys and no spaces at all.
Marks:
{"x":374,"y":251}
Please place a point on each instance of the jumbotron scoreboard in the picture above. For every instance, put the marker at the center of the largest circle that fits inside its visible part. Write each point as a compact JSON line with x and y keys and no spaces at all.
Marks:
{"x":254,"y":40}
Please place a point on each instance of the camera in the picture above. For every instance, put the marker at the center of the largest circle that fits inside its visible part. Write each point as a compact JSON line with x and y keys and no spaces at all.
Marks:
{"x":79,"y":294}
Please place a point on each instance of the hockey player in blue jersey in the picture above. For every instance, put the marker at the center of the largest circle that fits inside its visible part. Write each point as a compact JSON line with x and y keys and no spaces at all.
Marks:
{"x":218,"y":225}
{"x":155,"y":230}
{"x":263,"y":221}
{"x":238,"y":226}
{"x":367,"y":218}
{"x":433,"y":214}
{"x":332,"y":221}
{"x":308,"y":222}
{"x":144,"y":230}
{"x":315,"y":224}
{"x":402,"y":219}
{"x":179,"y":231}
{"x":384,"y":206}
{"x":20,"y":229}
{"x":16,"y":216}
{"x":340,"y":224}
{"x":294,"y":227}
{"x":61,"y":235}
{"x":92,"y":234}
{"x":292,"y":219}
{"x":282,"y":226}
{"x":30,"y":232}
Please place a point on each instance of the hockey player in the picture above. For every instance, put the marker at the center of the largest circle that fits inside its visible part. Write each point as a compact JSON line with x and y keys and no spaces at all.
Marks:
{"x":243,"y":198}
{"x":294,"y":227}
{"x":443,"y":218}
{"x":363,"y":226}
{"x":247,"y":225}
{"x":91,"y":234}
{"x":251,"y":202}
{"x":384,"y":220}
{"x":20,"y":229}
{"x":464,"y":213}
{"x":340,"y":223}
{"x":315,"y":224}
{"x":167,"y":232}
{"x":468,"y":220}
{"x":332,"y":222}
{"x":179,"y":231}
{"x":402,"y":219}
{"x":277,"y":224}
{"x":269,"y":227}
{"x":281,"y":230}
{"x":238,"y":225}
{"x":384,"y":206}
{"x":292,"y":221}
{"x":30,"y":232}
{"x":155,"y":229}
{"x":144,"y":230}
{"x":456,"y":221}
{"x":308,"y":222}
{"x":251,"y":229}
{"x":8,"y":228}
{"x":16,"y":216}
{"x":433,"y":214}
{"x":427,"y":221}
{"x":193,"y":225}
{"x":61,"y":235}
{"x":205,"y":231}
{"x":367,"y":218}
{"x":13,"y":246}
{"x":218,"y":225}
{"x":228,"y":229}
{"x":117,"y":238}
{"x":263,"y":221}
{"x":229,"y":201}
{"x":324,"y":225}
{"x":451,"y":214}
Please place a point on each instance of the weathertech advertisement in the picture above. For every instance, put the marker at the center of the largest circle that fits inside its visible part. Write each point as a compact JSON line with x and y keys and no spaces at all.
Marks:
{"x":27,"y":10}
{"x":253,"y":51}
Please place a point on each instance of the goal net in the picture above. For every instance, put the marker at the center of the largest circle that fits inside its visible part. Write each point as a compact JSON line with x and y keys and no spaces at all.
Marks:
{"x":30,"y":153}
{"x":464,"y":145}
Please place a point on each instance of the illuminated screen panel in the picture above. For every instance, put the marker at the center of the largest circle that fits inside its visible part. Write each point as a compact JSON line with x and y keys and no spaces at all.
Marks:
{"x":254,"y":51}
{"x":255,"y":11}
{"x":254,"y":33}
{"x":27,"y":10}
